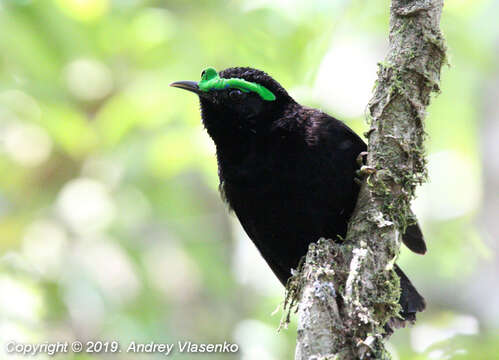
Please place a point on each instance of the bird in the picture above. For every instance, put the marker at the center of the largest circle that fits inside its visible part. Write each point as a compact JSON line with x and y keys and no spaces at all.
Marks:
{"x":287,"y":171}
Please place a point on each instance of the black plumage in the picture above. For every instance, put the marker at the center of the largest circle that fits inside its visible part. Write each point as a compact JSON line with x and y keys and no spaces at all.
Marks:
{"x":288,"y":173}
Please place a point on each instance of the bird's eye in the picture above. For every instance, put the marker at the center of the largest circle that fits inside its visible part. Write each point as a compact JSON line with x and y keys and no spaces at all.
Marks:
{"x":202,"y":73}
{"x":236,"y":94}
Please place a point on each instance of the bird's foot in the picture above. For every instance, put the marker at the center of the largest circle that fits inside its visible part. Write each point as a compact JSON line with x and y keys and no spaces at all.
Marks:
{"x":364,"y":170}
{"x":362,"y":173}
{"x":361,"y":159}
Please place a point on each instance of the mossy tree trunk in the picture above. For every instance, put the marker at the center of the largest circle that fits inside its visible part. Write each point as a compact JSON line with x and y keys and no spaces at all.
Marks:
{"x":347,"y":292}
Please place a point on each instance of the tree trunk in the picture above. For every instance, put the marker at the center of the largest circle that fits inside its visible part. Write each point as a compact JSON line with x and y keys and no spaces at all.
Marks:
{"x":347,"y":292}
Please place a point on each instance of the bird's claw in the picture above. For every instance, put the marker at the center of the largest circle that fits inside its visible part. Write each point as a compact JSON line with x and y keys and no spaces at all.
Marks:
{"x":364,"y":169}
{"x":360,"y":159}
{"x":363,"y":172}
{"x":367,"y":170}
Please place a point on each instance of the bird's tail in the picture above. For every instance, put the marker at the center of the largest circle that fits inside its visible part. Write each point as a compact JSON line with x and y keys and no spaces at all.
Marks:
{"x":410,"y":301}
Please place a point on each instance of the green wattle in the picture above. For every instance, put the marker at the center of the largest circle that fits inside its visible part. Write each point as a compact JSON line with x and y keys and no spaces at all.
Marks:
{"x":210,"y":80}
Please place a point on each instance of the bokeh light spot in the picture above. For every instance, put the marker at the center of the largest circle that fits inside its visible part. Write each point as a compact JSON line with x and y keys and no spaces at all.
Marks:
{"x":162,"y":260}
{"x":88,"y":79}
{"x":24,"y":106}
{"x":43,"y":245}
{"x":442,"y":197}
{"x":84,"y":10}
{"x":111,"y":269}
{"x":27,"y":144}
{"x":86,"y":205}
{"x":346,"y":76}
{"x":425,"y":335}
{"x":151,"y":27}
{"x":19,"y":300}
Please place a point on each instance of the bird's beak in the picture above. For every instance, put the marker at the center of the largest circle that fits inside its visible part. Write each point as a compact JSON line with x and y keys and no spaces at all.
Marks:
{"x":187,"y":85}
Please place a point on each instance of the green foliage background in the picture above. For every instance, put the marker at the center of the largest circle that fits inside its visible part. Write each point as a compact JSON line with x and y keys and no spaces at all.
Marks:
{"x":111,"y":227}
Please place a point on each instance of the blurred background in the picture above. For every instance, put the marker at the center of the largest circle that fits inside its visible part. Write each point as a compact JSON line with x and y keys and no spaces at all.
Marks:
{"x":111,"y":226}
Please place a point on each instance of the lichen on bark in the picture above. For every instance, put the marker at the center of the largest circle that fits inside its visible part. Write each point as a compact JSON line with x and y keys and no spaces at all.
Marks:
{"x":346,"y":292}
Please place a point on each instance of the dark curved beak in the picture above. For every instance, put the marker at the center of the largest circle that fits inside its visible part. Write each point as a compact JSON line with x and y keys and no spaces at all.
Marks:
{"x":187,"y":85}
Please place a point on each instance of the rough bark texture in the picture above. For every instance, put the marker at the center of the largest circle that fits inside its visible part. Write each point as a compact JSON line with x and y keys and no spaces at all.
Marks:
{"x":348,"y":291}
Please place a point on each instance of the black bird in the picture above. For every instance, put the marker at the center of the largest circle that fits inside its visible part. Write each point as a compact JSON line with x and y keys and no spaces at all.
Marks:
{"x":287,"y":171}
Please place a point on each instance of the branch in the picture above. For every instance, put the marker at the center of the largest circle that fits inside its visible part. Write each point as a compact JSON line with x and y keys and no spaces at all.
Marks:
{"x":347,"y":292}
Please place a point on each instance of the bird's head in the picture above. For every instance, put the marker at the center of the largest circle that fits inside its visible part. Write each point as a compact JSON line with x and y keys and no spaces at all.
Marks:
{"x":239,"y":97}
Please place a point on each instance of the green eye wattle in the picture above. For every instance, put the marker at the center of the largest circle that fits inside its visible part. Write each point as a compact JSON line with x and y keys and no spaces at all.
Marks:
{"x":210,"y":80}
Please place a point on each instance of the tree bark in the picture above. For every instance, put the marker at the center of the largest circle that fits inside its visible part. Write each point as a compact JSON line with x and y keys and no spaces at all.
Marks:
{"x":347,"y":292}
